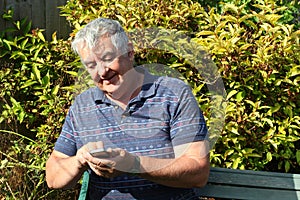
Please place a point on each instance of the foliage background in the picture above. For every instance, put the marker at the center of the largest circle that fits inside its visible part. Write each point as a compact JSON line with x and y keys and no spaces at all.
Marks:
{"x":255,"y":45}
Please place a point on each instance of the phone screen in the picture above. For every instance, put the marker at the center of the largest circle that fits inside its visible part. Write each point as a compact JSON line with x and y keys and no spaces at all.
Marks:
{"x":99,"y":153}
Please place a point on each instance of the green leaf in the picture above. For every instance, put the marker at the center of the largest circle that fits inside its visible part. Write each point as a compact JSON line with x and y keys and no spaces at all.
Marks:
{"x":36,"y":73}
{"x":120,"y":6}
{"x":41,"y":36}
{"x":205,"y":33}
{"x":254,"y":155}
{"x":55,"y":90}
{"x":288,"y":110}
{"x":230,"y":94}
{"x":228,"y":152}
{"x":21,"y":116}
{"x":94,"y":10}
{"x":268,"y":121}
{"x":18,"y":54}
{"x":220,"y":26}
{"x":14,"y":102}
{"x":287,"y":165}
{"x":17,"y":23}
{"x":46,"y":79}
{"x":72,"y":73}
{"x":294,"y":71}
{"x":240,"y":96}
{"x":245,"y":17}
{"x":275,"y":144}
{"x":8,"y":15}
{"x":298,"y":156}
{"x":28,"y":83}
{"x":251,"y":103}
{"x":236,"y":163}
{"x":23,"y":43}
{"x":245,"y":46}
{"x":36,"y":54}
{"x":273,"y":18}
{"x":231,"y":7}
{"x":8,"y":44}
{"x":27,"y":28}
{"x":122,"y":19}
{"x":274,"y":109}
{"x":269,"y":156}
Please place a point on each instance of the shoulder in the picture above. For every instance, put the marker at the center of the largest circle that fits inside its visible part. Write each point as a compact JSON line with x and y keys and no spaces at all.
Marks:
{"x":85,"y":99}
{"x":174,"y":85}
{"x":86,"y":96}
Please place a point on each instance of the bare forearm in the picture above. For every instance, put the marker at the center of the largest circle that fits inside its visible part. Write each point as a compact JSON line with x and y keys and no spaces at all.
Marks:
{"x":183,"y":172}
{"x":63,"y":172}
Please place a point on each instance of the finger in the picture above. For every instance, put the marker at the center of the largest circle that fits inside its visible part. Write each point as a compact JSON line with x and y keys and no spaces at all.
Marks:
{"x":81,"y":159}
{"x":90,"y":146}
{"x":99,"y":164}
{"x":103,"y":171}
{"x":108,"y":164}
{"x":99,"y":145}
{"x":95,"y":145}
{"x":106,"y":170}
{"x":118,"y":152}
{"x":103,"y":163}
{"x":113,"y":152}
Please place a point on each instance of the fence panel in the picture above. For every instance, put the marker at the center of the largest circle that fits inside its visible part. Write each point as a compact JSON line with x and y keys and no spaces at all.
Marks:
{"x":44,"y":14}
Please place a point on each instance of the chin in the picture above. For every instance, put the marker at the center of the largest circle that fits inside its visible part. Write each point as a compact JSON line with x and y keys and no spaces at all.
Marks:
{"x":113,"y":92}
{"x":114,"y":95}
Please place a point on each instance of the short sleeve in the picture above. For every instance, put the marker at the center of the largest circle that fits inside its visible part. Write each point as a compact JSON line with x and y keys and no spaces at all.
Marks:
{"x":66,"y":142}
{"x":188,"y":123}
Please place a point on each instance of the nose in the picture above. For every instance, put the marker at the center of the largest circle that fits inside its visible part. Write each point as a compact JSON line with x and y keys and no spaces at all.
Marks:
{"x":101,"y":69}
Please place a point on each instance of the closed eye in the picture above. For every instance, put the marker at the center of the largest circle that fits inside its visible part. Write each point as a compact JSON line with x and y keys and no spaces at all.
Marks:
{"x":91,"y":65}
{"x":108,"y":59}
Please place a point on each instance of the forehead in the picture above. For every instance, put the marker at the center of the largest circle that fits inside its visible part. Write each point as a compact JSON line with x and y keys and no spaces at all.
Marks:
{"x":103,"y":46}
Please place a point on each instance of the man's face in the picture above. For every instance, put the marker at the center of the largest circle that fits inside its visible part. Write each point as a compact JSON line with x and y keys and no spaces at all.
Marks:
{"x":106,"y":65}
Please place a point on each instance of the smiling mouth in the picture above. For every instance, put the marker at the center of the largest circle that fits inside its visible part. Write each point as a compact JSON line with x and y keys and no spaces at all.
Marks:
{"x":108,"y":79}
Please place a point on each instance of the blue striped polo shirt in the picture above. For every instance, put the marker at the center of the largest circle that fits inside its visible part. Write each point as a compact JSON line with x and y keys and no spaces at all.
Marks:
{"x":163,"y":115}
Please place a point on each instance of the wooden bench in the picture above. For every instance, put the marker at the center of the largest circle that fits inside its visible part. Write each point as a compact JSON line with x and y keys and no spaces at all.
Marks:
{"x":242,"y":184}
{"x":248,"y":184}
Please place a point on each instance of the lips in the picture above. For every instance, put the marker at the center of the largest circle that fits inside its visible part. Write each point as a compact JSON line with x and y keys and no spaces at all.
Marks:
{"x":109,"y":79}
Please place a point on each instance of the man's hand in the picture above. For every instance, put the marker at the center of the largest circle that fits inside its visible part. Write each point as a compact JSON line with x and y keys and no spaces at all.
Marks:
{"x":116,"y":163}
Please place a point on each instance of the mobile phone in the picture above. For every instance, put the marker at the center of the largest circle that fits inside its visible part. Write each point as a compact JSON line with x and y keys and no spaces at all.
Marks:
{"x":99,"y":153}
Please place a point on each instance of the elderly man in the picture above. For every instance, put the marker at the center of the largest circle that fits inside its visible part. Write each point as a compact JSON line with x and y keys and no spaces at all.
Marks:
{"x":138,"y":135}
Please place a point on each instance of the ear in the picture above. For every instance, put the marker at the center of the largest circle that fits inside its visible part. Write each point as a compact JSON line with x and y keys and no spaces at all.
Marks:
{"x":130,"y":51}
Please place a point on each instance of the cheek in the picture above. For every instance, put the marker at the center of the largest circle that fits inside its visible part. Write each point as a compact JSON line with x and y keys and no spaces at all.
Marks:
{"x":123,"y":67}
{"x":94,"y":75}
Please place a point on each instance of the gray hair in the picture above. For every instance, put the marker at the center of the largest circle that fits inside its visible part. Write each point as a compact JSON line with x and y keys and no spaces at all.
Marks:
{"x":97,"y":28}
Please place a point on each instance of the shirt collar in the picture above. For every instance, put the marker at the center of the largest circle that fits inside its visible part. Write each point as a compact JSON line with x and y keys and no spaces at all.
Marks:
{"x":100,"y":97}
{"x":148,"y":89}
{"x":149,"y":84}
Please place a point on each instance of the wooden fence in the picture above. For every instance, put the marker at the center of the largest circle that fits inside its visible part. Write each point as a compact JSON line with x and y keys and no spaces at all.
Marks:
{"x":44,"y":14}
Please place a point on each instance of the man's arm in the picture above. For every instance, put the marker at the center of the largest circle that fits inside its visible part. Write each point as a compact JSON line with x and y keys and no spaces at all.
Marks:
{"x":189,"y":169}
{"x":63,"y":171}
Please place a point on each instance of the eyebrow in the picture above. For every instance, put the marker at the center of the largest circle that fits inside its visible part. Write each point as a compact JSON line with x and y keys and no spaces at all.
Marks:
{"x":105,"y":54}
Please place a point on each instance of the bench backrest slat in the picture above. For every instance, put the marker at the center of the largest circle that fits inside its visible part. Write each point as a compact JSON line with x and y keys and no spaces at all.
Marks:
{"x":234,"y":192}
{"x":247,"y":184}
{"x":255,"y":178}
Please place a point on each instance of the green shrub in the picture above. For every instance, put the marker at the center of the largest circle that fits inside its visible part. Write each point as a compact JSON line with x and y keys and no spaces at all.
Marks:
{"x":33,"y":107}
{"x":290,"y":15}
{"x":175,"y":14}
{"x":259,"y":59}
